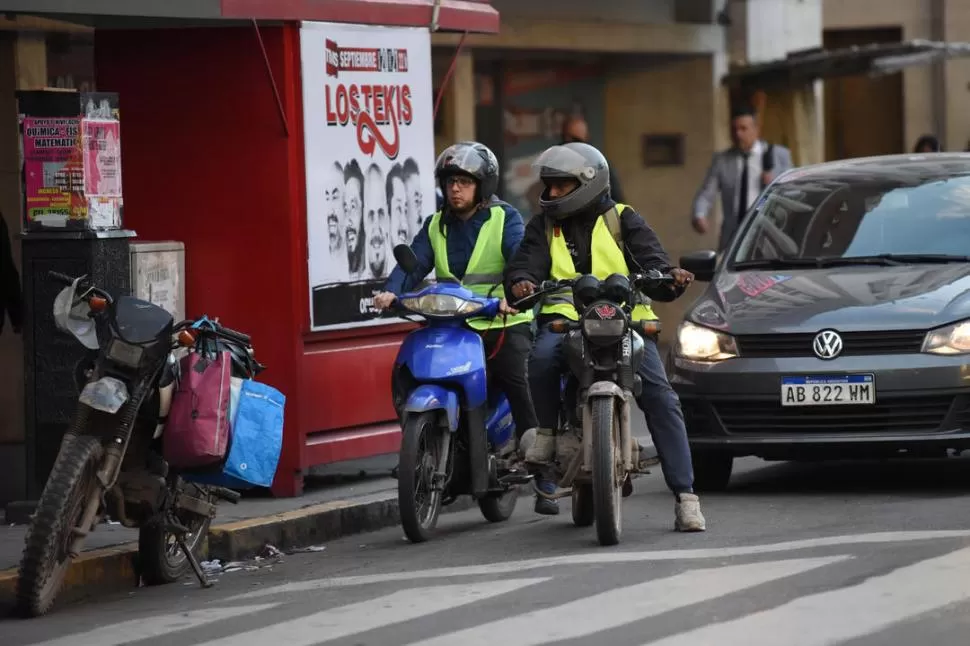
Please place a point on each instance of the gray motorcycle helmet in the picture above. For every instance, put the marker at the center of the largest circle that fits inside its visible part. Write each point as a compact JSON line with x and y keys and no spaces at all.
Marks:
{"x":577,"y":161}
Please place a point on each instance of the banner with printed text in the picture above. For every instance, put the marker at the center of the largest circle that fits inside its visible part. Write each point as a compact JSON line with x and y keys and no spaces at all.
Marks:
{"x":369,"y":138}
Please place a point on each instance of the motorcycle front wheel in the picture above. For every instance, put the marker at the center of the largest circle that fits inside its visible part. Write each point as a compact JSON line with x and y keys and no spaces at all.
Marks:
{"x":607,"y":486}
{"x":162,"y":560}
{"x":70,"y":485}
{"x":418,"y":500}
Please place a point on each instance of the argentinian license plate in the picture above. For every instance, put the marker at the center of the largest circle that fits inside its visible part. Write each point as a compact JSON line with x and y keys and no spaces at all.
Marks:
{"x":828,"y":390}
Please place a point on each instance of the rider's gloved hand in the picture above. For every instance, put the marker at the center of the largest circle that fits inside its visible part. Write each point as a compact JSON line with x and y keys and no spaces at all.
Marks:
{"x":522,"y":289}
{"x":682,"y":277}
{"x":384,"y":300}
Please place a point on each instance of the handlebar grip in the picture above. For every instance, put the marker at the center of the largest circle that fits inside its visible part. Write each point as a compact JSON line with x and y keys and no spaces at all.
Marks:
{"x":64,"y":279}
{"x":245,"y":339}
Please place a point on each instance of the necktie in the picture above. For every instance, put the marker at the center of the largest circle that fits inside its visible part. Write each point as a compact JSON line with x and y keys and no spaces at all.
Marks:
{"x":743,"y":201}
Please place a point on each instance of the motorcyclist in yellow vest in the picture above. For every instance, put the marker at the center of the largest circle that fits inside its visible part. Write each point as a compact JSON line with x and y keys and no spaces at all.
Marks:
{"x":470,"y":240}
{"x":582,"y":230}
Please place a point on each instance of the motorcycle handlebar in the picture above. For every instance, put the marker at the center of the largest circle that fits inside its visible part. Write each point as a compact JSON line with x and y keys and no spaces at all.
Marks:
{"x":636,"y":280}
{"x":68,"y":281}
{"x":63,"y":279}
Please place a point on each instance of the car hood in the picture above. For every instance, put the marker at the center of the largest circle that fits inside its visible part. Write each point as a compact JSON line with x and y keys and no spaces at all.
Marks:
{"x":906,"y":297}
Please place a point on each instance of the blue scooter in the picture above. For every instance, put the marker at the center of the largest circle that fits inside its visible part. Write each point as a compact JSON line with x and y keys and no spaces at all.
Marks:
{"x":458,"y":436}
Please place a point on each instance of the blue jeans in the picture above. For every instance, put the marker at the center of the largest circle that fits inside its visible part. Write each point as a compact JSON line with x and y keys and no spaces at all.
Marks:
{"x":658,"y":401}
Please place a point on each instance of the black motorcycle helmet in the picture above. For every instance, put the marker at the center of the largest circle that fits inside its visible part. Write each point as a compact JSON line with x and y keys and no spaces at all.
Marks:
{"x":472,"y":159}
{"x":576,"y":161}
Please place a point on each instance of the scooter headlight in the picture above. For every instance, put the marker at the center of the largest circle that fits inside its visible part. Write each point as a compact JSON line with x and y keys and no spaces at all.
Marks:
{"x":442,"y":305}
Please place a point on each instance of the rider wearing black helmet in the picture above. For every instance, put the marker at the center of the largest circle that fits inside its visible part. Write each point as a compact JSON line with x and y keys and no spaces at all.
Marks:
{"x":581,"y":230}
{"x":475,"y":223}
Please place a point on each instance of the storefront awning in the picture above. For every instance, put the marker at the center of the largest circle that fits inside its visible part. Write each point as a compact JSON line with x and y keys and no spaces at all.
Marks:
{"x":476,"y":16}
{"x":804,"y":67}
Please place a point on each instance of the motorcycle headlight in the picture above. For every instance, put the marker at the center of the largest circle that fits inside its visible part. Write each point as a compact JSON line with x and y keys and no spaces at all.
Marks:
{"x":949,"y":339}
{"x":604,"y":323}
{"x":441,"y":305}
{"x":704,"y":344}
{"x":125,"y":353}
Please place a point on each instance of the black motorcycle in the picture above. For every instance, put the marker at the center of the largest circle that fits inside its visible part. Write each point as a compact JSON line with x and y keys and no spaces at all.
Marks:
{"x":110,"y":459}
{"x":596,"y":453}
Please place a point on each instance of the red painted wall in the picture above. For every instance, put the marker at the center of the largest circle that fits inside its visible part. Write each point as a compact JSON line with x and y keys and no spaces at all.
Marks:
{"x":206,"y":160}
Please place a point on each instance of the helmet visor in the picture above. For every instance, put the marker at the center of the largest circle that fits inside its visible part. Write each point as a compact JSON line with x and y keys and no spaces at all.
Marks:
{"x":560,"y":161}
{"x":462,"y":159}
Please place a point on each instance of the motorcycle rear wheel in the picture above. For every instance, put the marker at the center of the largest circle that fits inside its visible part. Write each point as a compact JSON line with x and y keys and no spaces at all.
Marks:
{"x":582,"y":505}
{"x":607,"y":495}
{"x":72,"y":482}
{"x":420,"y":455}
{"x":160,"y":557}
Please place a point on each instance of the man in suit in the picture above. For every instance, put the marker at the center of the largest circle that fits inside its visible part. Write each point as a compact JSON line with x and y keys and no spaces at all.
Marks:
{"x":10,"y":297}
{"x":739,"y":173}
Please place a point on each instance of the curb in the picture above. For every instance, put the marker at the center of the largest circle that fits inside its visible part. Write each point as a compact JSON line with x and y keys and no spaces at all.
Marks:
{"x":115,"y":568}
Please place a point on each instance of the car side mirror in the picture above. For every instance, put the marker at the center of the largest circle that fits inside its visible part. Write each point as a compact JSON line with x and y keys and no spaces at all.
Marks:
{"x":700,"y":263}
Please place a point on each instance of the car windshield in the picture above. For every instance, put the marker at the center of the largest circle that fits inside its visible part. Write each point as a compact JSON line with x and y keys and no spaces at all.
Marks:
{"x":865,"y":218}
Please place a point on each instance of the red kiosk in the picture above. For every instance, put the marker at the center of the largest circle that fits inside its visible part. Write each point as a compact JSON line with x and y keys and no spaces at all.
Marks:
{"x":214,"y":155}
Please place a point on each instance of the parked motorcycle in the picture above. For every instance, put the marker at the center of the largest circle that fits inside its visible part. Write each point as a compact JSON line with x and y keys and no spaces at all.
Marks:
{"x":458,"y":434}
{"x":109,"y":462}
{"x":596,"y":453}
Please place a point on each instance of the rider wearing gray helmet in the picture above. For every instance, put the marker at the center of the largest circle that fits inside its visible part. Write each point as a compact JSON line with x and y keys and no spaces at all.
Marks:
{"x":581,"y":230}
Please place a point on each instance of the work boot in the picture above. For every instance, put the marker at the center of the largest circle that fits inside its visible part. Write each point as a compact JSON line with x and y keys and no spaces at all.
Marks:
{"x":546,"y":506}
{"x":688,"y":514}
{"x":544,"y":447}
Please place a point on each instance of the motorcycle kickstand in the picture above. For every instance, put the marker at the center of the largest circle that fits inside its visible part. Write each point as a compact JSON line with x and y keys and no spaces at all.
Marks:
{"x":179,"y":531}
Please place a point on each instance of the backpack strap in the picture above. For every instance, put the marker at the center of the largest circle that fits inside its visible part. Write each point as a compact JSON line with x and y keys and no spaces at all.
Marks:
{"x":612,"y":218}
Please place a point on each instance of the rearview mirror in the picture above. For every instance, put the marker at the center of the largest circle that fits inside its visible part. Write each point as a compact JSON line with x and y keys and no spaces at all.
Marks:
{"x":700,"y":263}
{"x":406,"y":258}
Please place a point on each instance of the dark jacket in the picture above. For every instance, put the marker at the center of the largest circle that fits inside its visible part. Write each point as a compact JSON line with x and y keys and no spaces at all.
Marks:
{"x":615,"y":191}
{"x":461,"y":240}
{"x":641,"y":248}
{"x":10,"y":297}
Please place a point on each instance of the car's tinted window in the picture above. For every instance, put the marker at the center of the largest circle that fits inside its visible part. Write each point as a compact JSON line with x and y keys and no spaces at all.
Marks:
{"x":865,"y":216}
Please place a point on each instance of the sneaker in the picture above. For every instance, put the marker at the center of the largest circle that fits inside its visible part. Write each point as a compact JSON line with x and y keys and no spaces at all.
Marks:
{"x":546,"y":506}
{"x":544,"y":447}
{"x":687,"y":511}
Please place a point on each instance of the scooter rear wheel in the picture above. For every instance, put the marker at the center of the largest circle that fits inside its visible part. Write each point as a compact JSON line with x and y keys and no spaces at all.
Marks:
{"x":418,"y":501}
{"x":499,"y":507}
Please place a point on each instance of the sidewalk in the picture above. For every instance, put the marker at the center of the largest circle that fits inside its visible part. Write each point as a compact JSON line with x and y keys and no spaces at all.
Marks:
{"x":357,"y":498}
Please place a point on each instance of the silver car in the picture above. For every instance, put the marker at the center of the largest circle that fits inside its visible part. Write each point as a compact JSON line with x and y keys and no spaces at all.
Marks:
{"x":837,"y":323}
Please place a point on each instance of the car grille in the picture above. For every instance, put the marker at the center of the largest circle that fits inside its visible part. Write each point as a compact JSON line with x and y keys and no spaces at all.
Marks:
{"x":853,"y":343}
{"x":899,"y":414}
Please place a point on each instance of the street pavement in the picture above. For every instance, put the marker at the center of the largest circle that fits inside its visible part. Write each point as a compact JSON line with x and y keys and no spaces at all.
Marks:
{"x":854,"y":554}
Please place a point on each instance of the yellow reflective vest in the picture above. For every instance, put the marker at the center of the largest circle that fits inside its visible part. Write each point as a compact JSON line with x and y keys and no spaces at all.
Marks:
{"x":607,"y":258}
{"x":485,"y":267}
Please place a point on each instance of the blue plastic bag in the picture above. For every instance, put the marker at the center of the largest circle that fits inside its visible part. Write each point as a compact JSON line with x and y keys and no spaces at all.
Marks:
{"x":256,"y":440}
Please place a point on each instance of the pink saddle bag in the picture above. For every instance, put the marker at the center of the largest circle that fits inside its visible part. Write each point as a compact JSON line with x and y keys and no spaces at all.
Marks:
{"x":197,"y":429}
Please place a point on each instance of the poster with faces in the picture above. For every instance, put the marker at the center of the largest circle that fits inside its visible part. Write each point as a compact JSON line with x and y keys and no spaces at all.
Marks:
{"x":369,"y":143}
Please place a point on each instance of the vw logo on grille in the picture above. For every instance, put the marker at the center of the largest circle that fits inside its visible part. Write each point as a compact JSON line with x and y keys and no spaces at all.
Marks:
{"x":827,"y":344}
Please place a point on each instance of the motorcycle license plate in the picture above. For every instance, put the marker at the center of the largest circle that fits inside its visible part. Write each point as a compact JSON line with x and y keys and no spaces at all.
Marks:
{"x":106,"y":394}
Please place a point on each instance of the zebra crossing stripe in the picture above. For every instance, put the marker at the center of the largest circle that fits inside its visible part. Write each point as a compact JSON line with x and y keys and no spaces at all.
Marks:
{"x":148,"y":627}
{"x":620,"y":606}
{"x":839,"y":615}
{"x":604,"y":557}
{"x":393,"y":608}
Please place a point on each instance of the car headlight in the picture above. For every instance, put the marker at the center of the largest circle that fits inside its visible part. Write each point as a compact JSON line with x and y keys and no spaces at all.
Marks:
{"x":441,"y":305}
{"x":125,"y":353}
{"x":950,"y":339}
{"x":704,"y":344}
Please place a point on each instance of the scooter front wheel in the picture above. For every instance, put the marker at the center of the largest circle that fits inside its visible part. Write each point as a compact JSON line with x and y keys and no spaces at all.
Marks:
{"x":418,"y":498}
